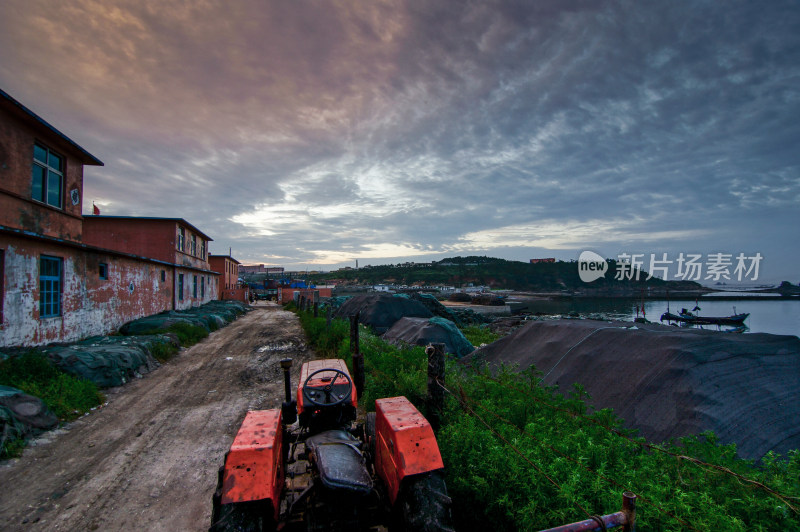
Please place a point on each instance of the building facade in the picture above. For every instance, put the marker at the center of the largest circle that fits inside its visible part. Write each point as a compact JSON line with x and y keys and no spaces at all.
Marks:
{"x":228,"y":269}
{"x":57,"y":285}
{"x":173,"y":241}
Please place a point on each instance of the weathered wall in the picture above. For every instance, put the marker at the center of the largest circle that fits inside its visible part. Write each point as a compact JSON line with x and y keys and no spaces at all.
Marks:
{"x":17,"y":207}
{"x":287,"y":294}
{"x":236,"y":294}
{"x":153,"y":238}
{"x":210,"y":286}
{"x":149,"y":238}
{"x":90,"y":305}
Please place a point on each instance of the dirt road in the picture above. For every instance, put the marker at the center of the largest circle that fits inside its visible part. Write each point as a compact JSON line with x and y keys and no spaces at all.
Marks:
{"x":149,"y":459}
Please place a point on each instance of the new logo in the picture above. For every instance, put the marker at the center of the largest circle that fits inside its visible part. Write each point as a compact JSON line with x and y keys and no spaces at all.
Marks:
{"x":591,"y":266}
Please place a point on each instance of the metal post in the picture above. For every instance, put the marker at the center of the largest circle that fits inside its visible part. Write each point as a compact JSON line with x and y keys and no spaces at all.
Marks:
{"x":434,"y":402}
{"x":629,"y":509}
{"x":358,"y":358}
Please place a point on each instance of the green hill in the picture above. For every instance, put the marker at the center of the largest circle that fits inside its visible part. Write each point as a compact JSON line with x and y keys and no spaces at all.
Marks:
{"x":497,"y":273}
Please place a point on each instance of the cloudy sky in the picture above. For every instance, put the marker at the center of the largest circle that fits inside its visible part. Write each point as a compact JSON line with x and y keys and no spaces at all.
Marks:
{"x":309,"y":134}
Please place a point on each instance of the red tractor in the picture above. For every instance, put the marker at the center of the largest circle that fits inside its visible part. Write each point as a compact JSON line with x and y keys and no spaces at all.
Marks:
{"x":310,"y":466}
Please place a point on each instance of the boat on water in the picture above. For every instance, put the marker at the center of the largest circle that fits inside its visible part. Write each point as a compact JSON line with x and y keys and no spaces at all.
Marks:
{"x":686,"y":316}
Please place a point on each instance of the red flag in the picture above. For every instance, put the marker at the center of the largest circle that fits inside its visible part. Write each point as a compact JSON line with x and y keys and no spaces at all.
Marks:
{"x":95,"y":210}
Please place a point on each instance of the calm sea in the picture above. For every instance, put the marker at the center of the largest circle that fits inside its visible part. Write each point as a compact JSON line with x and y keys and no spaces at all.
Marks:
{"x":780,"y":316}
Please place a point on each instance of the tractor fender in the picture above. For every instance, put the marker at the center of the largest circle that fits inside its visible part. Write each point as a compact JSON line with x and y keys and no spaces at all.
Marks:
{"x":404,"y":443}
{"x":254,"y":465}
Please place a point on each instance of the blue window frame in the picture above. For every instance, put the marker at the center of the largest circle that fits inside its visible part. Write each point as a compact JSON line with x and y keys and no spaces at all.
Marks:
{"x":202,"y":287}
{"x":194,"y":288}
{"x":103,"y":271}
{"x":180,"y":287}
{"x":49,"y":287}
{"x":48,"y":176}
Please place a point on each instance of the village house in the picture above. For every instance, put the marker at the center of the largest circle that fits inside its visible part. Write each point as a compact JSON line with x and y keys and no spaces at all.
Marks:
{"x":173,"y":241}
{"x":60,"y":279}
{"x":228,"y":269}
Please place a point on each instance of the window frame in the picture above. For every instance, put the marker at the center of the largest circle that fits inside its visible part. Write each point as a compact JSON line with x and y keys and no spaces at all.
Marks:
{"x":193,"y":243}
{"x":48,"y":171}
{"x":180,"y":287}
{"x":181,"y":239}
{"x":194,"y":287}
{"x":103,"y":271}
{"x":50,"y":306}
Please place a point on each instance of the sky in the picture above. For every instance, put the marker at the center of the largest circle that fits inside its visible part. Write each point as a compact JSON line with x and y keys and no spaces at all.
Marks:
{"x":311,"y":134}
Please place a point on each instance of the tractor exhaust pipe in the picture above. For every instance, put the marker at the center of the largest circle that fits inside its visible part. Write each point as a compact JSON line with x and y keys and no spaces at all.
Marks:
{"x":289,"y":407}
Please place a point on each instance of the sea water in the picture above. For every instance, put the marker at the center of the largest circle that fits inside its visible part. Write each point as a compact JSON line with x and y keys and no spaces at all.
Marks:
{"x":775,"y":316}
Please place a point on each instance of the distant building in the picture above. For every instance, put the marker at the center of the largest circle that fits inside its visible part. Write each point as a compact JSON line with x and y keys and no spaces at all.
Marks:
{"x":228,"y":269}
{"x":538,"y":261}
{"x":247,"y":269}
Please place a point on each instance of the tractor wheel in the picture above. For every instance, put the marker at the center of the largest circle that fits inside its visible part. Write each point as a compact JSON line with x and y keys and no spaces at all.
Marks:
{"x":239,"y":517}
{"x":369,"y":434}
{"x":424,"y":504}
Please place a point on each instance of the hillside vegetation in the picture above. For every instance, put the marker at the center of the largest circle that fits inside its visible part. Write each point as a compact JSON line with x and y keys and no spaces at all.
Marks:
{"x":501,"y":273}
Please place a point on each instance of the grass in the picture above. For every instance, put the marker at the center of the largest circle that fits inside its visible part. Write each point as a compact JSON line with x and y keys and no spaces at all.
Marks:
{"x":524,"y":457}
{"x":187,"y":334}
{"x":67,"y":396}
{"x":478,"y":335}
{"x":163,"y":351}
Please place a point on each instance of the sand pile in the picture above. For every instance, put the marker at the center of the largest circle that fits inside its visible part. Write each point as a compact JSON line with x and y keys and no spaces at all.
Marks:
{"x":668,"y":381}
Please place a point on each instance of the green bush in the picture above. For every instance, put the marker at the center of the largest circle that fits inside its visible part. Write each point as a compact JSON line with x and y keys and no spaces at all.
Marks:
{"x":543,"y":457}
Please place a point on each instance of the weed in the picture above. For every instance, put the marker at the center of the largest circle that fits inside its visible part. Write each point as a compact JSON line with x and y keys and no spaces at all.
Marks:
{"x":66,"y":395}
{"x":163,"y":351}
{"x":495,"y":487}
{"x":478,"y":335}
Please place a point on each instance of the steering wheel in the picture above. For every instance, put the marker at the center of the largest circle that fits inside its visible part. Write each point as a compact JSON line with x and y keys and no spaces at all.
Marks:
{"x":328,"y":389}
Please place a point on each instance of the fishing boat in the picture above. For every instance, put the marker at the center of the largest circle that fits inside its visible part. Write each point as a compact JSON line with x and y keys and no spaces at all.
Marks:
{"x":686,"y":316}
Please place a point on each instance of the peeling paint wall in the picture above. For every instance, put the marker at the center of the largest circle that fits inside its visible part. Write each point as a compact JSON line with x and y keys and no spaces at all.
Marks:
{"x":89,"y":305}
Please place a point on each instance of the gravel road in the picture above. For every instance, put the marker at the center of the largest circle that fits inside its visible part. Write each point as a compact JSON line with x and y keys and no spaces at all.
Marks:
{"x":148,"y":460}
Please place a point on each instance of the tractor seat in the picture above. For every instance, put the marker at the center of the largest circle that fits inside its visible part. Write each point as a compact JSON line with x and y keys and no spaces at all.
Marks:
{"x":339,"y":461}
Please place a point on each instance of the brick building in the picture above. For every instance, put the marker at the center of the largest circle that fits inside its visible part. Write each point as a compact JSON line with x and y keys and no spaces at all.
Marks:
{"x":173,"y":241}
{"x":55,"y":284}
{"x":228,"y":269}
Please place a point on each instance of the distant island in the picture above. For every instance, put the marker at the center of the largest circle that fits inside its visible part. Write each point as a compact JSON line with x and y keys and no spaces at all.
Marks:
{"x":550,"y":277}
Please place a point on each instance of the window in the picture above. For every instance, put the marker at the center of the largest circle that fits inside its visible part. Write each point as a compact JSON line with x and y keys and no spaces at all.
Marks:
{"x":194,"y":287}
{"x":194,"y":246}
{"x":202,"y":249}
{"x":103,"y":271}
{"x":49,"y":287}
{"x":163,"y":276}
{"x":202,"y":287}
{"x":181,"y":239}
{"x":180,"y":287}
{"x":48,"y":176}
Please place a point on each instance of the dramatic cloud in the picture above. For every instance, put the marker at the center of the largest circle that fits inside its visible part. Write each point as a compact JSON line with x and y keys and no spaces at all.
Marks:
{"x":316,"y":133}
